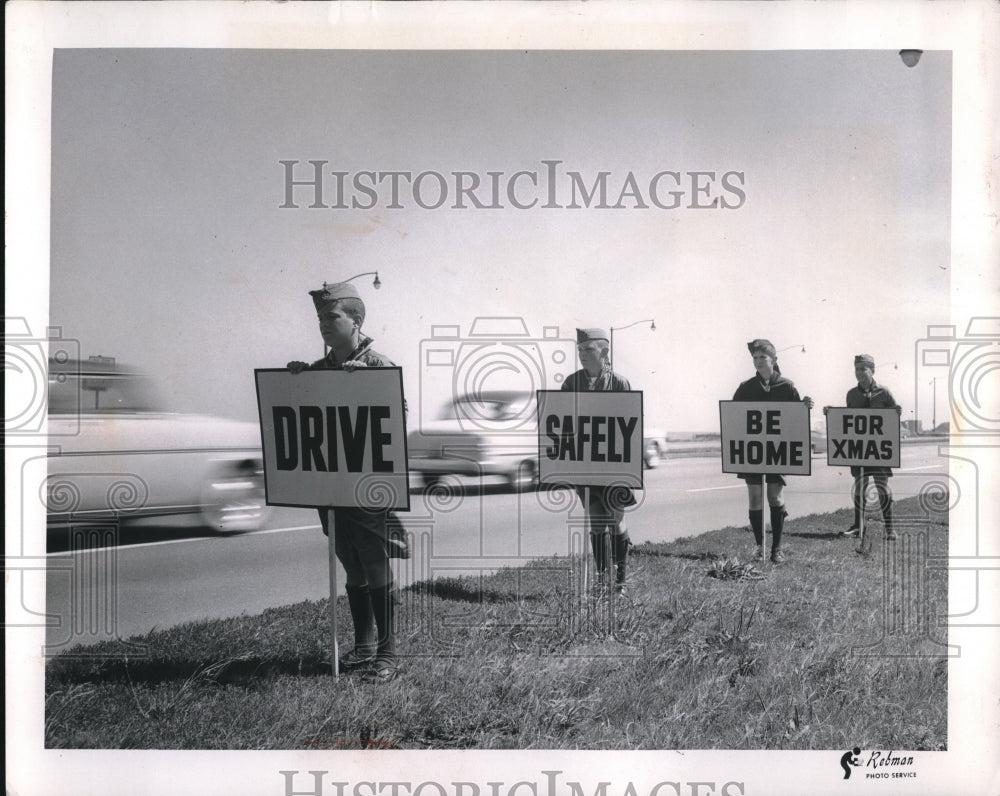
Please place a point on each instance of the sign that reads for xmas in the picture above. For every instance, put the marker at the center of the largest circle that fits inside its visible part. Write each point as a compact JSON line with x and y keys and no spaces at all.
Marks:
{"x":862,"y":437}
{"x":590,"y":438}
{"x":333,"y":438}
{"x":765,"y":437}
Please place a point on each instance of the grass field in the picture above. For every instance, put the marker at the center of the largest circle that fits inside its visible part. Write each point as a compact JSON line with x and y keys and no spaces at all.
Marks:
{"x":833,"y":649}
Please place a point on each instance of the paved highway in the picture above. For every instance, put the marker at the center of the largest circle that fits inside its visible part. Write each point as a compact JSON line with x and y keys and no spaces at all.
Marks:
{"x":158,"y":577}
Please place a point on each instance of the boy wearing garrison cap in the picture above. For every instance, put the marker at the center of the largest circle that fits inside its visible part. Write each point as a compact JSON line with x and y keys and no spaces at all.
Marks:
{"x":767,"y":385}
{"x":606,"y":509}
{"x":360,"y":535}
{"x":869,"y":395}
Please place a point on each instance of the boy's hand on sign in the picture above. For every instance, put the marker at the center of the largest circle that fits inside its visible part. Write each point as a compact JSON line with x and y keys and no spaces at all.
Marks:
{"x":354,"y":364}
{"x":296,"y":366}
{"x":808,"y":401}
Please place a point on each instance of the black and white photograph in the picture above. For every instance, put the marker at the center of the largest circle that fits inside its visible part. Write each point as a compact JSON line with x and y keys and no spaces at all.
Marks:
{"x":307,"y":487}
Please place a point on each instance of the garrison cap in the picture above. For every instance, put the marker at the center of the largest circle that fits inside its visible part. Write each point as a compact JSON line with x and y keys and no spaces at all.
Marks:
{"x":865,"y":360}
{"x":760,"y":344}
{"x":588,"y":335}
{"x":334,"y":292}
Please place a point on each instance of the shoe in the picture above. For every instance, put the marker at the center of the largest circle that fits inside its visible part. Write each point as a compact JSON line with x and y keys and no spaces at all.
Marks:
{"x":380,"y":671}
{"x":777,"y":556}
{"x":620,"y":590}
{"x":854,"y":530}
{"x":891,"y":536}
{"x":355,"y":659}
{"x":759,"y":553}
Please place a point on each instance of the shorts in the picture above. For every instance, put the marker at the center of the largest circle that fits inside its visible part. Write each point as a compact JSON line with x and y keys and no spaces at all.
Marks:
{"x":756,"y":479}
{"x":880,"y":472}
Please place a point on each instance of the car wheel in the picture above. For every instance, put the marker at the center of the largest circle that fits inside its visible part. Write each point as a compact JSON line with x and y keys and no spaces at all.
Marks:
{"x":651,"y":456}
{"x":430,"y":480}
{"x":525,"y":477}
{"x":234,"y":499}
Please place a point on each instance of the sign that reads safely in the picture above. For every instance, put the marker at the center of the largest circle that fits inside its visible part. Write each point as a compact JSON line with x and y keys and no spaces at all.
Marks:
{"x":334,"y":438}
{"x":590,"y":438}
{"x":765,"y":437}
{"x":862,"y":437}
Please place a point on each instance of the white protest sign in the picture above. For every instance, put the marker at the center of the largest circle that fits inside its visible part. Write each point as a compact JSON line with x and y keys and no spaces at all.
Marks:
{"x":590,"y":438}
{"x":766,"y":437}
{"x":334,"y":438}
{"x":862,"y":437}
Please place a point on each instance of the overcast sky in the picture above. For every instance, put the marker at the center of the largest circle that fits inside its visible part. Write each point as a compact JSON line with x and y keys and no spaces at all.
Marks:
{"x":170,"y":248}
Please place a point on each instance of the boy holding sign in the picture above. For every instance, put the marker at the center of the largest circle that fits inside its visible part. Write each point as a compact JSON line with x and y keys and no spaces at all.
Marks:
{"x":361,"y":535}
{"x":869,"y":395}
{"x":767,"y":385}
{"x":605,"y":507}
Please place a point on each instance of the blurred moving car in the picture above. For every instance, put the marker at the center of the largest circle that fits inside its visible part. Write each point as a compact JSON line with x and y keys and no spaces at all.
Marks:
{"x":494,"y":432}
{"x":817,"y":437}
{"x":117,"y":454}
{"x":654,"y":446}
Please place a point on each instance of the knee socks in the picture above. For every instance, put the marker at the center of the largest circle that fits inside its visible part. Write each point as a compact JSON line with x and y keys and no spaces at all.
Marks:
{"x":777,"y":526}
{"x":360,"y":602}
{"x":757,"y":525}
{"x":620,"y":544}
{"x":383,"y":605}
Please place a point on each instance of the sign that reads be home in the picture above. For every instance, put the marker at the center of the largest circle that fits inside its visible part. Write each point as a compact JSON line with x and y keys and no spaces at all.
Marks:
{"x":765,"y":437}
{"x":333,"y":438}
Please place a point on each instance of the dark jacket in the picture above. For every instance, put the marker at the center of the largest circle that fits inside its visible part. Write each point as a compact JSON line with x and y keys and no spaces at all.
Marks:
{"x":780,"y":389}
{"x":363,"y":353}
{"x":878,"y":397}
{"x":607,"y":381}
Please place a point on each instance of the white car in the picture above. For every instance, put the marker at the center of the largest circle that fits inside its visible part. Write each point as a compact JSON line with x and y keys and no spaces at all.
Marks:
{"x":493,"y":433}
{"x":117,"y":454}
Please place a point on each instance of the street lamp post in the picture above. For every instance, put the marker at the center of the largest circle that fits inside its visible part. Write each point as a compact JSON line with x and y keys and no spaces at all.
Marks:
{"x":376,"y":283}
{"x":611,"y":342}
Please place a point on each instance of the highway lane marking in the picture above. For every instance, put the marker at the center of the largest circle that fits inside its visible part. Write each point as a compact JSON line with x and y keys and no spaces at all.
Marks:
{"x":180,"y":541}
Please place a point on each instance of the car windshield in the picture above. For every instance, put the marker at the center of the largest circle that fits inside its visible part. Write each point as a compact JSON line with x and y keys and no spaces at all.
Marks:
{"x":486,"y":408}
{"x":103,"y":393}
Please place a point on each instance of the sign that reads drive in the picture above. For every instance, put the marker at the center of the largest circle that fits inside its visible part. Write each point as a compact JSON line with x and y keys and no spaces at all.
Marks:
{"x":333,"y":438}
{"x":590,"y":438}
{"x":862,"y":437}
{"x":765,"y":437}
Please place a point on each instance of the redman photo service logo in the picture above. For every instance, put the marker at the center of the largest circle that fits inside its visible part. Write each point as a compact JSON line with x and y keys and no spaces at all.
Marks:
{"x":878,"y":764}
